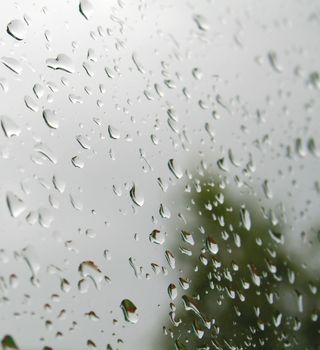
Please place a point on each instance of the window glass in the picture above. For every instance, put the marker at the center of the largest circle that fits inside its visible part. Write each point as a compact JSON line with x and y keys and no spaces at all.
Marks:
{"x":159,"y":174}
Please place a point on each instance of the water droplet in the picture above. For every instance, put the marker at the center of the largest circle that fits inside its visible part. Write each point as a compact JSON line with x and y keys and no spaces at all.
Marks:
{"x":9,"y":127}
{"x":61,"y":62}
{"x":86,"y":9}
{"x":187,"y":237}
{"x":38,"y":90}
{"x":137,"y":63}
{"x":77,"y":161}
{"x":196,"y":73}
{"x":88,"y":269}
{"x":17,"y":29}
{"x":212,"y":246}
{"x":45,"y":217}
{"x":113,"y":132}
{"x":164,"y":212}
{"x":245,"y":218}
{"x":157,"y":237}
{"x":30,"y":257}
{"x":46,"y":152}
{"x":65,"y":285}
{"x":273,"y":59}
{"x":170,"y":259}
{"x":58,"y":184}
{"x":136,"y":196}
{"x":13,"y":64}
{"x":190,"y":304}
{"x":15,"y":204}
{"x":31,"y":104}
{"x":201,"y":22}
{"x":175,"y":169}
{"x":129,"y":311}
{"x":50,"y":118}
{"x":172,"y":291}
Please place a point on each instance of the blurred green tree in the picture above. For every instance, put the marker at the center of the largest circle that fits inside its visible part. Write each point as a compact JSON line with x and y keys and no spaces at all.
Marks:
{"x":244,"y":280}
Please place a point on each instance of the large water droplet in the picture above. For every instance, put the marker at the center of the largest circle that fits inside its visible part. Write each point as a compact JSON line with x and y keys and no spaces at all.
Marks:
{"x":175,"y":168}
{"x":17,"y":29}
{"x":113,"y":132}
{"x":212,"y":246}
{"x":50,"y":118}
{"x":129,"y":311}
{"x":86,"y":9}
{"x":157,"y":237}
{"x":136,"y":196}
{"x":88,"y":269}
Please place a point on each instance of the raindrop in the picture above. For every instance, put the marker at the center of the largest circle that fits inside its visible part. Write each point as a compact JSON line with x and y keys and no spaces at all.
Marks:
{"x":201,"y":22}
{"x":9,"y":127}
{"x":88,"y":269}
{"x":170,"y":259}
{"x":16,"y":205}
{"x":129,"y":311}
{"x":137,"y":63}
{"x":172,"y":291}
{"x":50,"y":118}
{"x":61,"y":62}
{"x":273,"y":59}
{"x":245,"y":218}
{"x":212,"y":246}
{"x":45,"y":217}
{"x":175,"y":169}
{"x":136,"y":196}
{"x":157,"y":237}
{"x":38,"y":90}
{"x":31,"y":104}
{"x":13,"y":64}
{"x":113,"y":132}
{"x":86,"y":9}
{"x":17,"y":29}
{"x":77,"y":161}
{"x":164,"y":212}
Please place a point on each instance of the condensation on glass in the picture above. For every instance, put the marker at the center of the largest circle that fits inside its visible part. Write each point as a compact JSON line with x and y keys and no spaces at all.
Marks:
{"x":159,"y":174}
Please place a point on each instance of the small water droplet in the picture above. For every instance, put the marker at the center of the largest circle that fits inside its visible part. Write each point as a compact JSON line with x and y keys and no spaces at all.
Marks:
{"x":201,"y":22}
{"x":245,"y":218}
{"x":77,"y":161}
{"x":13,"y":64}
{"x":9,"y":127}
{"x":16,"y":205}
